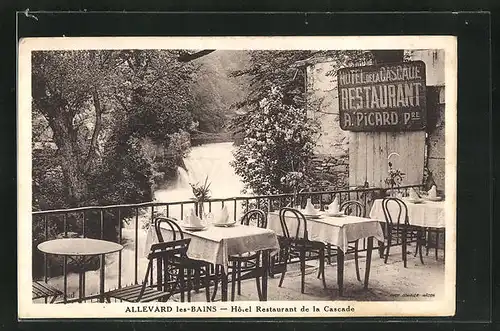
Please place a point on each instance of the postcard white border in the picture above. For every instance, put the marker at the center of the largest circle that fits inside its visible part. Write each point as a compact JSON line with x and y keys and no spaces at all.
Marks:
{"x":29,"y":310}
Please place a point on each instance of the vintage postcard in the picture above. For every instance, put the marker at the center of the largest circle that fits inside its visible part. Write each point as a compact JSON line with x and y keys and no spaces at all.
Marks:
{"x":201,"y":177}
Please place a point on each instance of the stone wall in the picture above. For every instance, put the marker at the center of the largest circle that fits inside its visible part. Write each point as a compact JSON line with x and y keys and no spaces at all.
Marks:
{"x":435,"y":79}
{"x":329,"y":172}
{"x":330,"y":165}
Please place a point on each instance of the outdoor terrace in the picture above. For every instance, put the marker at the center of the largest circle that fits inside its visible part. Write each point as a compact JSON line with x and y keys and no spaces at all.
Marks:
{"x":388,"y":281}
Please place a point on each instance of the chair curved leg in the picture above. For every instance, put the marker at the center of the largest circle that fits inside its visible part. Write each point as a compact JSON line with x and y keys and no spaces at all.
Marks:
{"x":416,"y":247}
{"x":216,"y":281}
{"x":257,"y":278}
{"x":285,"y":261}
{"x":207,"y":283}
{"x":189,"y":285}
{"x":389,"y":241}
{"x":404,"y":249}
{"x":197,"y":280}
{"x":302,"y":270}
{"x":356,"y":257}
{"x":282,"y":278}
{"x":322,"y":267}
{"x":271,"y":266}
{"x":181,"y":282}
{"x":436,"y":244}
{"x":233,"y":279}
{"x":421,"y":239}
{"x":427,"y":238}
{"x":239,"y":278}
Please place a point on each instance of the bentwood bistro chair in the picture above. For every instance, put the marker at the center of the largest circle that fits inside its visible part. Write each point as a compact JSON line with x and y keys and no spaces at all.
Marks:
{"x":399,"y":229}
{"x":294,"y":228}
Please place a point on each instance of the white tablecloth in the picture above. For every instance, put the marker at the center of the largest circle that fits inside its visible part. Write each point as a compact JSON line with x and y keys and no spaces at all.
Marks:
{"x":216,"y":244}
{"x":426,"y":214}
{"x":337,"y":231}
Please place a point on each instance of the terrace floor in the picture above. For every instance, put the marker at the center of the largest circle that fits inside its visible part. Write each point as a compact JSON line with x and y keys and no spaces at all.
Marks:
{"x":388,"y":282}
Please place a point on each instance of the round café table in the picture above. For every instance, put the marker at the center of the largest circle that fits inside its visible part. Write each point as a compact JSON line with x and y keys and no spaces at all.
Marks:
{"x":81,"y":251}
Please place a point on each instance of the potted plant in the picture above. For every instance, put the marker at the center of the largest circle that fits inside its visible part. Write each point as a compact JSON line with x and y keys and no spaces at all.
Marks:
{"x":201,"y":194}
{"x":394,"y":178}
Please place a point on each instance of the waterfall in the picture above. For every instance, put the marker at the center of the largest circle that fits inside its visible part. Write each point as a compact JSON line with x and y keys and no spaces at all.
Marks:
{"x":210,"y":160}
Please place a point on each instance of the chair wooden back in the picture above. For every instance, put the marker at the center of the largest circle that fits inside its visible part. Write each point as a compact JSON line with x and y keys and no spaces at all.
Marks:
{"x":395,"y":211}
{"x":172,"y":224}
{"x":163,"y":255}
{"x":354,"y":208}
{"x":288,"y":216}
{"x":255,"y":217}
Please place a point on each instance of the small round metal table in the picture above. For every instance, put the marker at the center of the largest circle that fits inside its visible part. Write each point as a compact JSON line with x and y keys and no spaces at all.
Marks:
{"x":81,"y":251}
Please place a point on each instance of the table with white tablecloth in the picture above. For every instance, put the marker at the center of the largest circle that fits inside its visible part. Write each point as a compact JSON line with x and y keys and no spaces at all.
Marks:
{"x":217,"y":244}
{"x":427,"y":214}
{"x":338,"y":231}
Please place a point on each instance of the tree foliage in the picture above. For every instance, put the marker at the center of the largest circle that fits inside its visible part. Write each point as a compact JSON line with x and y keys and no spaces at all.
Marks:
{"x":118,"y":119}
{"x":277,"y":135}
{"x":278,"y":141}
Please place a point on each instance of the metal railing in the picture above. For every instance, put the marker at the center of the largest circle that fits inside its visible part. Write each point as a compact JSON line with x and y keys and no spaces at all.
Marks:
{"x":107,"y":222}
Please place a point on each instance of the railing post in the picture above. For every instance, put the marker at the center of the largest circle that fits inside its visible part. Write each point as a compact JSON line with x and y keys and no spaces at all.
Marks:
{"x":65,"y":225}
{"x":45,"y":264}
{"x":83,"y":225}
{"x":119,"y":252}
{"x":101,"y":218}
{"x":65,"y":274}
{"x":136,"y":244}
{"x":235,"y":201}
{"x":101,"y":276}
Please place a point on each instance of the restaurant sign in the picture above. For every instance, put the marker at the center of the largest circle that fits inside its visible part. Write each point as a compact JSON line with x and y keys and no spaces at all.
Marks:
{"x":384,"y":97}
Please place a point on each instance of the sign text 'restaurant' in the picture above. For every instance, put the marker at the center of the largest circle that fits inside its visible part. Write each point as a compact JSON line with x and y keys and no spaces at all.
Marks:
{"x":385,"y":97}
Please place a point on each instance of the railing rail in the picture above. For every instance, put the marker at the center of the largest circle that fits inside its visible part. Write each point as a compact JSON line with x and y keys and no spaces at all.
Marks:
{"x":153,"y":203}
{"x":103,"y":215}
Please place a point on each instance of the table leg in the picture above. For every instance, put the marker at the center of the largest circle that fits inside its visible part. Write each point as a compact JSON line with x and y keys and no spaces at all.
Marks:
{"x":340,"y":270}
{"x":101,"y":291}
{"x":369,"y":250}
{"x":224,"y":283}
{"x":65,"y":273}
{"x":265,"y":269}
{"x":80,"y":286}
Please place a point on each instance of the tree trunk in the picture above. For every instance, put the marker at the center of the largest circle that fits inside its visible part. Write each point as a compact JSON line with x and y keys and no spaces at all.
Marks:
{"x":76,"y":183}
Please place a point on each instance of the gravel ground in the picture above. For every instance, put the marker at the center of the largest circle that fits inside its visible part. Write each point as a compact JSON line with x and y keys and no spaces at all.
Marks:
{"x":388,"y":282}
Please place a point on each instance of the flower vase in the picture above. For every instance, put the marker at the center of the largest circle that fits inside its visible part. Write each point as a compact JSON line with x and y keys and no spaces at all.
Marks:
{"x":200,"y":208}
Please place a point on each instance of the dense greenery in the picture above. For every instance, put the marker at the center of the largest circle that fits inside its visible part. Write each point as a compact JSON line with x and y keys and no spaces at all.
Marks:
{"x":107,"y":126}
{"x":278,"y":141}
{"x":277,"y":136}
{"x":117,"y":122}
